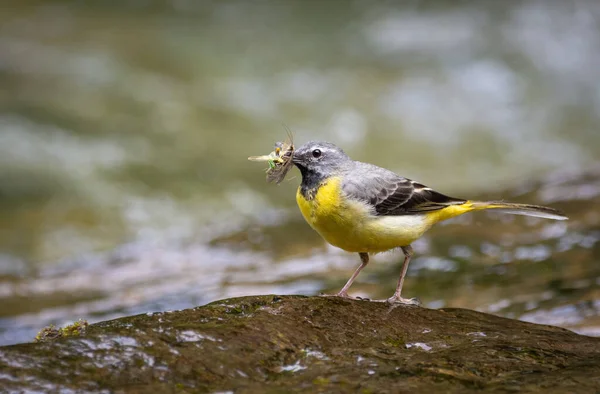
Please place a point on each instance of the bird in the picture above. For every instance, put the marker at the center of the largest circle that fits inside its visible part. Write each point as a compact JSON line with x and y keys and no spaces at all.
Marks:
{"x":366,"y":209}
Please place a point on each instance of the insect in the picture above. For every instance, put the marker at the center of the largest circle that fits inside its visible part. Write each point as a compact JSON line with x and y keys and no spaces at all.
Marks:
{"x":279,"y":160}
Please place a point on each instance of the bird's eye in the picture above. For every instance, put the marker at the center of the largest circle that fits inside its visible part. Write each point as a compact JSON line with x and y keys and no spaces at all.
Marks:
{"x":316,"y":153}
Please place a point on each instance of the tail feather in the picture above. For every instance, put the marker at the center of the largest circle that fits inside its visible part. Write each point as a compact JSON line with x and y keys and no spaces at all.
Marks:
{"x":519,"y":209}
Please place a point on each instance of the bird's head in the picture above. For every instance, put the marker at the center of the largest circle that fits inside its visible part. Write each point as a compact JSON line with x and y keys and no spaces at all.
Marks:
{"x":319,"y":157}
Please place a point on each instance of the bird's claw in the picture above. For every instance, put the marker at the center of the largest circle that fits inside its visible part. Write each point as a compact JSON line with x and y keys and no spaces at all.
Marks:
{"x":404,"y":301}
{"x":340,"y":294}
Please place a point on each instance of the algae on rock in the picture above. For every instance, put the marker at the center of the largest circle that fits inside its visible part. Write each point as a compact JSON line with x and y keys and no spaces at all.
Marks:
{"x":51,"y":332}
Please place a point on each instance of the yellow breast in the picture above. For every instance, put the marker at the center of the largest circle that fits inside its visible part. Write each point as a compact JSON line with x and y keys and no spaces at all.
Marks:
{"x":352,"y":226}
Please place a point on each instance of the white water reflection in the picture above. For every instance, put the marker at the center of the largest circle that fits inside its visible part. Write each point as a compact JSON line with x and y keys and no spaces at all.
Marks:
{"x":125,"y":136}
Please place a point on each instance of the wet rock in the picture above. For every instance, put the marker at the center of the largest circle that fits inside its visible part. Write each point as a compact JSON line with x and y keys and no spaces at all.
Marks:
{"x":307,"y":344}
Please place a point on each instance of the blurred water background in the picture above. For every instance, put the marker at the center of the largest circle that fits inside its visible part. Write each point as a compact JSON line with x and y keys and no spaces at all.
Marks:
{"x":125,"y":128}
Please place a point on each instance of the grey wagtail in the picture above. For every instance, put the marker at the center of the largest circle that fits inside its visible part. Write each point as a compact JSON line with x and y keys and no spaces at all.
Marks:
{"x":362,"y":208}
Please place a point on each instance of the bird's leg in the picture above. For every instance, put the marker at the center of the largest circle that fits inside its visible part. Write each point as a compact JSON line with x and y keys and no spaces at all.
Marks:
{"x":397,"y":298}
{"x":364,"y":258}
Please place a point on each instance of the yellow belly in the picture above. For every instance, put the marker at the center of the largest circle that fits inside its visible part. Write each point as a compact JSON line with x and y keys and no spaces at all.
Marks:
{"x":351,"y":225}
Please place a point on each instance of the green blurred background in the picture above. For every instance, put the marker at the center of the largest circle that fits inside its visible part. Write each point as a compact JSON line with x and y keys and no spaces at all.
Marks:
{"x":125,"y":128}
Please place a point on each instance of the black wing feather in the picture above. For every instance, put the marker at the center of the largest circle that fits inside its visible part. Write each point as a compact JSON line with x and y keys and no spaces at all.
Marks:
{"x":391,"y":194}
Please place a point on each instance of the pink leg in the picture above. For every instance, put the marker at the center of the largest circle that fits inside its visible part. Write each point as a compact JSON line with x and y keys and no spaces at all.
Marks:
{"x":397,"y":298}
{"x":364,"y":258}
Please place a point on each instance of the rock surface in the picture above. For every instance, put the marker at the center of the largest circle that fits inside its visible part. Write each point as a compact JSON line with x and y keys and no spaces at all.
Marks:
{"x":308,"y":344}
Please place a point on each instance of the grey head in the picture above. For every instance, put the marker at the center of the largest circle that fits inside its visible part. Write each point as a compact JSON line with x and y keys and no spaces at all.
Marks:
{"x":318,"y":160}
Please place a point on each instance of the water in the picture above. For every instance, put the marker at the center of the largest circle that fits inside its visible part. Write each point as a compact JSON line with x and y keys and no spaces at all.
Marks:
{"x":125,"y":127}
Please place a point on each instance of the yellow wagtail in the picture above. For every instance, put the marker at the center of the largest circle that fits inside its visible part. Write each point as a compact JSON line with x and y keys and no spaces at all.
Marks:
{"x":362,"y":208}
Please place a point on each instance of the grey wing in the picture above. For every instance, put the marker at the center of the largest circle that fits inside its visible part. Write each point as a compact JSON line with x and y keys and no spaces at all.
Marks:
{"x":390,"y":194}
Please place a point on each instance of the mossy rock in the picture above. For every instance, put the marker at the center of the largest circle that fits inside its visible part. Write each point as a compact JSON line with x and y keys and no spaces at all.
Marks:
{"x":307,"y":344}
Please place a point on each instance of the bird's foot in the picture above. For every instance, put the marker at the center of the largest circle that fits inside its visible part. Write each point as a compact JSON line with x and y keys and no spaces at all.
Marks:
{"x":341,"y":294}
{"x":405,"y":301}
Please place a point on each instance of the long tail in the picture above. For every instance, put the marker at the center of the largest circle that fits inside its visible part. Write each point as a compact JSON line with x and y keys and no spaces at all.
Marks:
{"x":518,"y":209}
